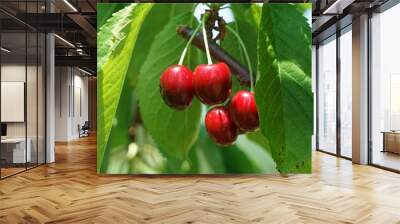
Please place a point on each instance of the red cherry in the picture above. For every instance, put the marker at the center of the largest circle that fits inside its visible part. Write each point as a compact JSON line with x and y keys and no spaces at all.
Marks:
{"x":220,"y":126}
{"x":176,"y":86}
{"x":212,"y":83}
{"x":244,"y":110}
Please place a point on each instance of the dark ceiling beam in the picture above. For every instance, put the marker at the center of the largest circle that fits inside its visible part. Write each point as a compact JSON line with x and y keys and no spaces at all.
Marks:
{"x":88,"y":70}
{"x":329,"y":14}
{"x":80,"y":20}
{"x":79,"y":61}
{"x":337,"y":7}
{"x":11,"y":25}
{"x":325,"y":26}
{"x":10,"y":15}
{"x":92,"y":14}
{"x":321,"y":23}
{"x":91,"y":5}
{"x":65,"y":51}
{"x":63,"y":7}
{"x":49,"y":22}
{"x":84,"y":24}
{"x":331,"y":30}
{"x":53,"y":22}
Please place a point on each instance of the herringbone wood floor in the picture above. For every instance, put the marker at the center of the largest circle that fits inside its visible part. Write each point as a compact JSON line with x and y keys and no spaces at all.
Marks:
{"x":70,"y":191}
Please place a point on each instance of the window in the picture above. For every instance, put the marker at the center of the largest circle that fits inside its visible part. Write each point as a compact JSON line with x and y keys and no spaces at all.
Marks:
{"x":346,"y":75}
{"x":385,"y":89}
{"x":327,"y":95}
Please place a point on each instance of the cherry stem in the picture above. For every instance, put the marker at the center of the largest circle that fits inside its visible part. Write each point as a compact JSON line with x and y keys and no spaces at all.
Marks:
{"x":246,"y":56}
{"x":218,"y":53}
{"x":188,"y":43}
{"x":206,"y":40}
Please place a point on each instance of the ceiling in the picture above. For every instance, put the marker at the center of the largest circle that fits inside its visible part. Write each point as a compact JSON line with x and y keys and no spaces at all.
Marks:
{"x":332,"y":15}
{"x":74,"y":22}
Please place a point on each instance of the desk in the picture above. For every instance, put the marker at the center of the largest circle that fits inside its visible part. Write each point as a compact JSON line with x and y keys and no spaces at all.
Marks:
{"x":391,"y":141}
{"x":16,"y":148}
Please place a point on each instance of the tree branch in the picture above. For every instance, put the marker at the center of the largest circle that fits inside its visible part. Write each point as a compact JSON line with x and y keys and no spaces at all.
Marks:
{"x":218,"y":53}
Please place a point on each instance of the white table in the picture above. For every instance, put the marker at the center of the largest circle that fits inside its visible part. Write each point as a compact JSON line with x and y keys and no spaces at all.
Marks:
{"x":18,"y":144}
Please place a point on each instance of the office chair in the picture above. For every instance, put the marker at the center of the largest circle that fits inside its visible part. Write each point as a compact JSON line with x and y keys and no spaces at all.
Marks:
{"x":84,"y":130}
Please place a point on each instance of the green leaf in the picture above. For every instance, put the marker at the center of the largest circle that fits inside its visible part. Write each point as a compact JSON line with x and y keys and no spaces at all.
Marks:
{"x":125,"y":115}
{"x":246,"y":25}
{"x":118,"y":37}
{"x":206,"y":157}
{"x":256,"y":13}
{"x":283,"y":91}
{"x":249,"y":12}
{"x":148,"y":161}
{"x":174,"y":131}
{"x":258,"y":138}
{"x":111,"y":34}
{"x":232,"y":47}
{"x":259,"y":158}
{"x":118,"y":162}
{"x":245,"y":156}
{"x":303,"y":7}
{"x":106,"y":10}
{"x":237,"y":162}
{"x":156,"y":20}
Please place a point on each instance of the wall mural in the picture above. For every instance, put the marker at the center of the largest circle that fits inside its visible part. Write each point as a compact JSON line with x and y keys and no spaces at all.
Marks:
{"x":174,"y":101}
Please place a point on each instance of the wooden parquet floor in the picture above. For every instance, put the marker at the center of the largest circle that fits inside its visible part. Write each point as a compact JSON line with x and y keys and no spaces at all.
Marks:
{"x":70,"y":191}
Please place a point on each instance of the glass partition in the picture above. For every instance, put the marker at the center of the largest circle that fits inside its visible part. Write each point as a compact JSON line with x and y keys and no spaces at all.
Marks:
{"x":22,"y":78}
{"x":14,"y":153}
{"x":41,"y":91}
{"x":327,"y":95}
{"x":385,"y":89}
{"x":32,"y":96}
{"x":346,"y":93}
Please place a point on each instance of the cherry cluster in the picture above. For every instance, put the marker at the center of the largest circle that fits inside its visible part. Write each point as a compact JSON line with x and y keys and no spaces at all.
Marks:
{"x":211,"y":84}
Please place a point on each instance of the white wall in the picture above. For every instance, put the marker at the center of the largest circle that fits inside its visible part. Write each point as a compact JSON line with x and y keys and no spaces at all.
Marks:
{"x":71,"y":87}
{"x":13,"y":72}
{"x":62,"y":81}
{"x":81,"y":85}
